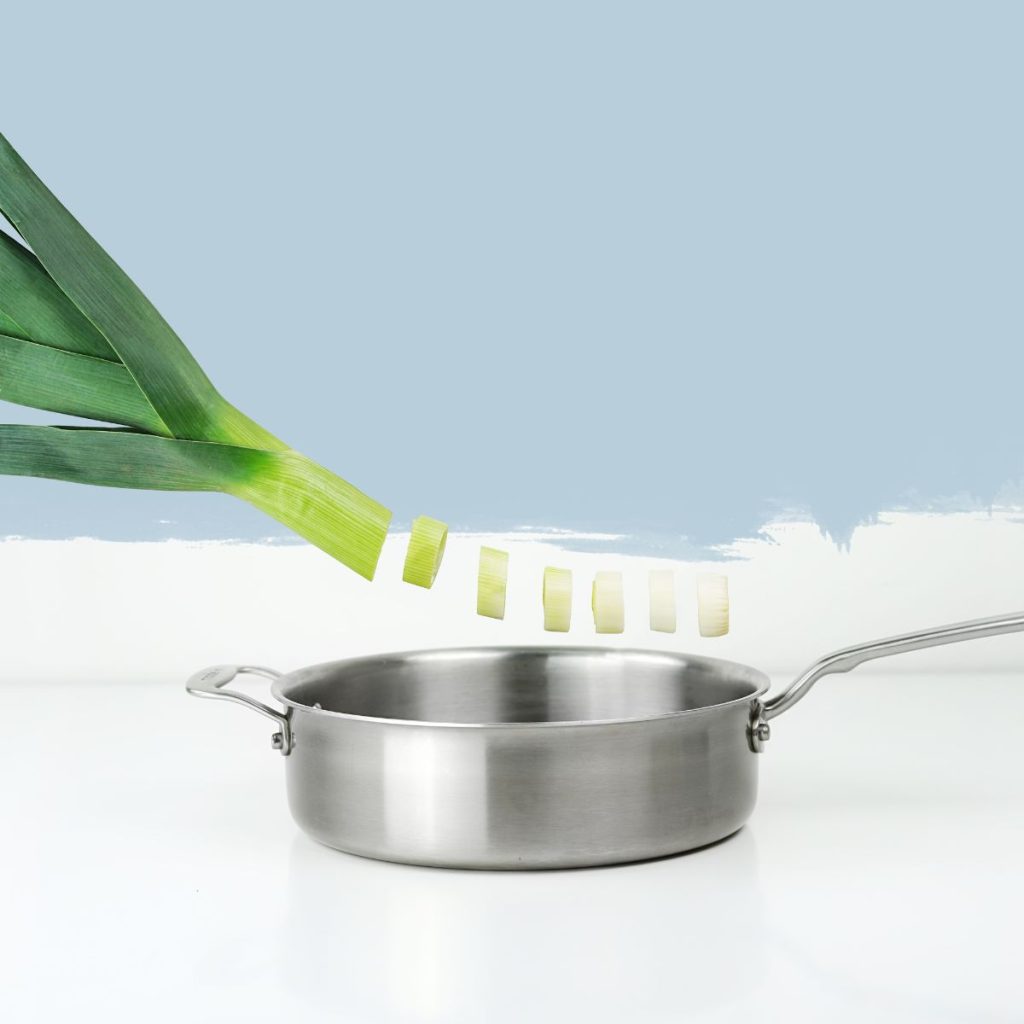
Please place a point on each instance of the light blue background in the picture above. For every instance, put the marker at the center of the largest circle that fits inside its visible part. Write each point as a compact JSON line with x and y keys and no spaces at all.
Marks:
{"x":664,"y":269}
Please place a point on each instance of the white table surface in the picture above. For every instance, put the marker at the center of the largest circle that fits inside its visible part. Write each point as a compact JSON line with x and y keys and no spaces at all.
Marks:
{"x":151,"y":872}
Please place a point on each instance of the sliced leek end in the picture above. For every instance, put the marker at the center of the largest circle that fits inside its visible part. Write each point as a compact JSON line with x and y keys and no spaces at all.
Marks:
{"x":492,"y":582}
{"x":662,"y":589}
{"x":712,"y":604}
{"x":426,"y":549}
{"x":607,"y":604}
{"x":557,"y":599}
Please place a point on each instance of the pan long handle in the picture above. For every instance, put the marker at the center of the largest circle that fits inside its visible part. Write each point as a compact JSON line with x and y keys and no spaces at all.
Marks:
{"x":851,"y":657}
{"x":210,"y":682}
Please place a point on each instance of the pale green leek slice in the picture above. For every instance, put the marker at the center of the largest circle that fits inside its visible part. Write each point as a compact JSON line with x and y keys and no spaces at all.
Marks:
{"x":713,"y":604}
{"x":661,"y":585}
{"x":606,"y":602}
{"x":492,"y":582}
{"x":557,"y":599}
{"x":426,"y":549}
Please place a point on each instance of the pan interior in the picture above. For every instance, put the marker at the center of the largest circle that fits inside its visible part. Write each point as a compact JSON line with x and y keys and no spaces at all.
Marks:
{"x":490,"y":686}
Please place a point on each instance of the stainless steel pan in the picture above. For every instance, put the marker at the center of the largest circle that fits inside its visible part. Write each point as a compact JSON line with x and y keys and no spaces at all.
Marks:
{"x":533,"y":757}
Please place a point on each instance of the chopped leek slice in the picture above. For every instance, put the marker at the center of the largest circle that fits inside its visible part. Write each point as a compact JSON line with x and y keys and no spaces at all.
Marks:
{"x":606,"y":602}
{"x":713,"y":604}
{"x":557,"y":599}
{"x":662,"y":589}
{"x":426,"y":549}
{"x":492,"y":580}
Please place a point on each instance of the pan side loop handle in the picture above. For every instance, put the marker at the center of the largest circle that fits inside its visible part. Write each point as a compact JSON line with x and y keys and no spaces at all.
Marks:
{"x":850,"y":657}
{"x":210,"y":682}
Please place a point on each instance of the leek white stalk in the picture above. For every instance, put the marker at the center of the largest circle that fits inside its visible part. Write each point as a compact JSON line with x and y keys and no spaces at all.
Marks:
{"x":492,"y":581}
{"x":606,"y":602}
{"x":557,"y":599}
{"x":426,"y":549}
{"x":661,"y":587}
{"x":713,"y":604}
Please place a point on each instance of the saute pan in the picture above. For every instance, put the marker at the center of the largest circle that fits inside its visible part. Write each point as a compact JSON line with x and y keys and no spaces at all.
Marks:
{"x":533,"y":757}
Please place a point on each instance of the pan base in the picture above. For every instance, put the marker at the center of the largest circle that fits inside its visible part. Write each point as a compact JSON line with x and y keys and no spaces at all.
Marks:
{"x":559,"y":863}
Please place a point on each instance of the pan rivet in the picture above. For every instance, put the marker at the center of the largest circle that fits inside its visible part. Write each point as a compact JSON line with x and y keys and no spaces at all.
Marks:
{"x":762,"y":732}
{"x":277,"y":741}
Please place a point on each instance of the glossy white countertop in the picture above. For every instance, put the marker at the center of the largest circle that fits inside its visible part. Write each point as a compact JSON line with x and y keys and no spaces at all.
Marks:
{"x":151,"y":872}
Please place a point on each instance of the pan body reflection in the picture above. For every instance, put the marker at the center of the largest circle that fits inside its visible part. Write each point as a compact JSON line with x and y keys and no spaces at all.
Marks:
{"x":511,"y":758}
{"x":603,"y":944}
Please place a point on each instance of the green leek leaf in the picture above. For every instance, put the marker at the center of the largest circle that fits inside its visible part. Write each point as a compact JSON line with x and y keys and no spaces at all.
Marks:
{"x":169,"y":376}
{"x":78,"y":385}
{"x":78,"y":337}
{"x":33,"y":307}
{"x":10,"y":327}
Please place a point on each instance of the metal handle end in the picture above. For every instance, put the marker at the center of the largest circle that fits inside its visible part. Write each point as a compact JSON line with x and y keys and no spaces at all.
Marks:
{"x":211,"y":682}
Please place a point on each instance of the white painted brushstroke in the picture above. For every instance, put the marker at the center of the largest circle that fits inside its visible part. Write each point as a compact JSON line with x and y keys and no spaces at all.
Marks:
{"x":88,"y":609}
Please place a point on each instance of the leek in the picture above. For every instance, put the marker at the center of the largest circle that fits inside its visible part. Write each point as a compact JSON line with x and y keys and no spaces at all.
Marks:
{"x":661,"y":586}
{"x":491,"y":583}
{"x":557,"y":599}
{"x":305,"y":497}
{"x":606,"y":602}
{"x":426,"y":549}
{"x":36,"y":309}
{"x":78,"y":385}
{"x":78,"y":337}
{"x":712,"y":604}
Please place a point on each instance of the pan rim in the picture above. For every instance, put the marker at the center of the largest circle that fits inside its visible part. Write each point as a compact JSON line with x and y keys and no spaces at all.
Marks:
{"x":759,"y":680}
